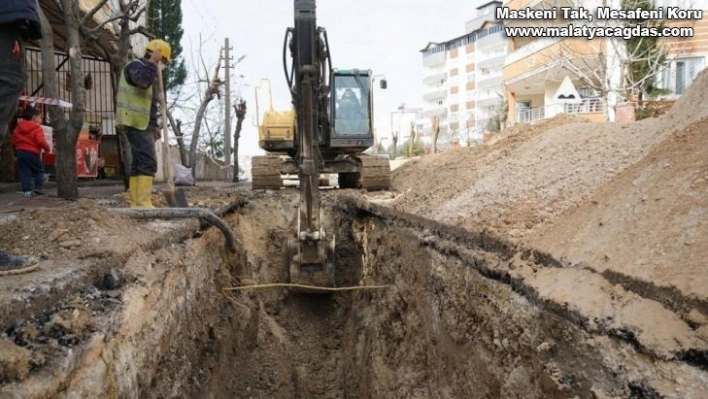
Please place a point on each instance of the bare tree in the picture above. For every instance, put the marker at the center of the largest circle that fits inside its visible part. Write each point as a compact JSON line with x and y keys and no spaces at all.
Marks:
{"x":67,"y":129}
{"x":240,"y":111}
{"x":436,"y":133}
{"x":377,"y":143}
{"x":411,"y":140}
{"x":394,"y":140}
{"x":618,"y":69}
{"x":81,"y":29}
{"x":179,"y":136}
{"x":212,"y":90}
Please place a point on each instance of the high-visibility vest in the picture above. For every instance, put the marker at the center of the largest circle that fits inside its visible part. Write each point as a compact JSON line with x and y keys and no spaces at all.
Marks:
{"x":133,"y":104}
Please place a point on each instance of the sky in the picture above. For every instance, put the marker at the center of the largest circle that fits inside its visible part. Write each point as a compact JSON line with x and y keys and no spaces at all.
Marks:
{"x":385,"y":36}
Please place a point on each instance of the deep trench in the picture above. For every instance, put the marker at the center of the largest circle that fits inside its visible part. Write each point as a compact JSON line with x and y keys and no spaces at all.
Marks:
{"x":453,"y":322}
{"x":443,"y":330}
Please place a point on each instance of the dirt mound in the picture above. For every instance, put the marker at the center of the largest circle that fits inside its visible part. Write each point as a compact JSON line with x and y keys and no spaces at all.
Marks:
{"x":691,"y":107}
{"x":78,"y":230}
{"x":430,"y":180}
{"x":533,"y":173}
{"x":650,"y":222}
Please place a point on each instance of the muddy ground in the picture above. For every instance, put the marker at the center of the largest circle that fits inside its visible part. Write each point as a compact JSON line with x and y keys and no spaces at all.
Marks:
{"x":564,"y":259}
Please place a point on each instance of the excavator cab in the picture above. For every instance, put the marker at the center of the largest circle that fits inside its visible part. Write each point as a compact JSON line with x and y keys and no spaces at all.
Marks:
{"x":351,"y":110}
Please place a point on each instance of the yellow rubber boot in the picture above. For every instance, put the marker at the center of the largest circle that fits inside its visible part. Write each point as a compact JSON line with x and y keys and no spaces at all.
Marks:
{"x":133,"y":191}
{"x":144,"y":199}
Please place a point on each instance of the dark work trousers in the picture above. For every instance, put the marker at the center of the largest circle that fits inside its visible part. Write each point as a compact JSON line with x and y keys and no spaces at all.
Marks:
{"x":142,"y":146}
{"x":28,"y":164}
{"x":12,"y":75}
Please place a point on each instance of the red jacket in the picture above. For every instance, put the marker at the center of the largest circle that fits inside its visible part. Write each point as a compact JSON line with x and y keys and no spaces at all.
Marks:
{"x":29,"y":136}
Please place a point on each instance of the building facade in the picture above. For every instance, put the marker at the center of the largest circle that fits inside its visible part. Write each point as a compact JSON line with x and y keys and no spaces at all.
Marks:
{"x":462,"y":78}
{"x":546,"y":76}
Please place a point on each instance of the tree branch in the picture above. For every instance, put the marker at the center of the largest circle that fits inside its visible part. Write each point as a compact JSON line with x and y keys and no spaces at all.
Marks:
{"x":90,"y":14}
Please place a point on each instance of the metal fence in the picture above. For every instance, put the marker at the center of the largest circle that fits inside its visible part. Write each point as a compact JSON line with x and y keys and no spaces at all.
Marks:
{"x":99,"y":93}
{"x":587,"y":106}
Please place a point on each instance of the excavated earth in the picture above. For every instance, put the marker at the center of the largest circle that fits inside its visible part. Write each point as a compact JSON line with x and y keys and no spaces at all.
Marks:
{"x":564,"y":260}
{"x":462,"y":315}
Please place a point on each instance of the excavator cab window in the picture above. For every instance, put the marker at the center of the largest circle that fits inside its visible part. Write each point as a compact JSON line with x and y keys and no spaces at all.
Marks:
{"x":351,"y":111}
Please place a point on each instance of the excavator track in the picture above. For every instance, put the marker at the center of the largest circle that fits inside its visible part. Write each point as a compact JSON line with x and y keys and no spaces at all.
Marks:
{"x":265,"y":172}
{"x":375,"y":174}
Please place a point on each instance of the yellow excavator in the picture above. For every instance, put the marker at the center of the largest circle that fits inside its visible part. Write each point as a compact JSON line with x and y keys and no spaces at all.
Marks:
{"x":326,"y":132}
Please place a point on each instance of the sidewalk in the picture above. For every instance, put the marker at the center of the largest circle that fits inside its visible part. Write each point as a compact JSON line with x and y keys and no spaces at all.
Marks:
{"x":11,"y":199}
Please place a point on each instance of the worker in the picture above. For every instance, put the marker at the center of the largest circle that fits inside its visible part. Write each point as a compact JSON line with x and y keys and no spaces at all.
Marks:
{"x":19,"y":22}
{"x":137,"y":113}
{"x":28,"y":141}
{"x":349,"y":113}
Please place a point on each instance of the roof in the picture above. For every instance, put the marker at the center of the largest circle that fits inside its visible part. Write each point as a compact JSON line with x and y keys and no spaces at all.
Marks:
{"x":101,"y":48}
{"x":484,"y":25}
{"x":488,"y":3}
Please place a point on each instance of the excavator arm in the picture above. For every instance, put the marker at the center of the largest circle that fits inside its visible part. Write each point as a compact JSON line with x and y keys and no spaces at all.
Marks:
{"x":311,"y":250}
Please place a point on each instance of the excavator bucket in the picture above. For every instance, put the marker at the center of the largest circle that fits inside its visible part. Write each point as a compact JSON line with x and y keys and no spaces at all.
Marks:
{"x":311,"y":260}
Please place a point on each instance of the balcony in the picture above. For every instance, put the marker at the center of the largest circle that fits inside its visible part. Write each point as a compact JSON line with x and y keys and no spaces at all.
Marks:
{"x":434,"y":93}
{"x":432,"y":60}
{"x":488,"y":102}
{"x":489,"y":81}
{"x":530,"y":49}
{"x":435,"y":76}
{"x":493,"y":62}
{"x":587,"y":106}
{"x":491,"y":40}
{"x":439,"y":111}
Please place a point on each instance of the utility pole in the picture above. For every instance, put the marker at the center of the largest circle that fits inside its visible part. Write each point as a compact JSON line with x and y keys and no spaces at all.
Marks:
{"x":227,"y":103}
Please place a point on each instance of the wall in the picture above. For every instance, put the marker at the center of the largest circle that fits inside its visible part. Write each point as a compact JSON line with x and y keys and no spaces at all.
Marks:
{"x":206,"y":168}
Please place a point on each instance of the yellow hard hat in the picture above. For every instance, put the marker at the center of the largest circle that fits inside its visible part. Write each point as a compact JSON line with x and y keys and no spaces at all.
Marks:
{"x":161,"y":45}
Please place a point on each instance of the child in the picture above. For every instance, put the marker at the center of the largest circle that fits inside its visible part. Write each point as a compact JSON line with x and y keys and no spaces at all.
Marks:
{"x":28,"y":141}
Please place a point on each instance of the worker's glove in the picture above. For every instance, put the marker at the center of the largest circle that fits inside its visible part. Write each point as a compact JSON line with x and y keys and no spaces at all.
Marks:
{"x":158,"y":133}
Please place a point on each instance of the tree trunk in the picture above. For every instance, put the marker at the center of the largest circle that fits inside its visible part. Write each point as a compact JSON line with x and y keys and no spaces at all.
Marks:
{"x":436,"y":133}
{"x":240,"y":109}
{"x":394,"y":139}
{"x":177,"y":128}
{"x":209,"y":94}
{"x":411,"y":141}
{"x":66,"y":141}
{"x":56,"y":115}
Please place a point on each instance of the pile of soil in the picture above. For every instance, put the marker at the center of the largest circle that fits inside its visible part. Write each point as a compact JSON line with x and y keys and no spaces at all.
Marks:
{"x":651,"y":221}
{"x":78,"y":230}
{"x":524,"y":181}
{"x":447,"y":174}
{"x":627,"y":202}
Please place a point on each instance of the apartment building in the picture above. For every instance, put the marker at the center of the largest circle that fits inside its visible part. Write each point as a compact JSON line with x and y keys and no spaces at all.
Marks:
{"x":462,"y":77}
{"x":686,"y":56}
{"x":546,"y":76}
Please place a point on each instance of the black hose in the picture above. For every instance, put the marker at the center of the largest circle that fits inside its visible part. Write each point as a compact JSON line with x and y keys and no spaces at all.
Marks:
{"x":182,"y":213}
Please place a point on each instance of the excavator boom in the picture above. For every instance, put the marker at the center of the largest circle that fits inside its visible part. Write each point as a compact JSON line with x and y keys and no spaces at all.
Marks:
{"x":311,"y":251}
